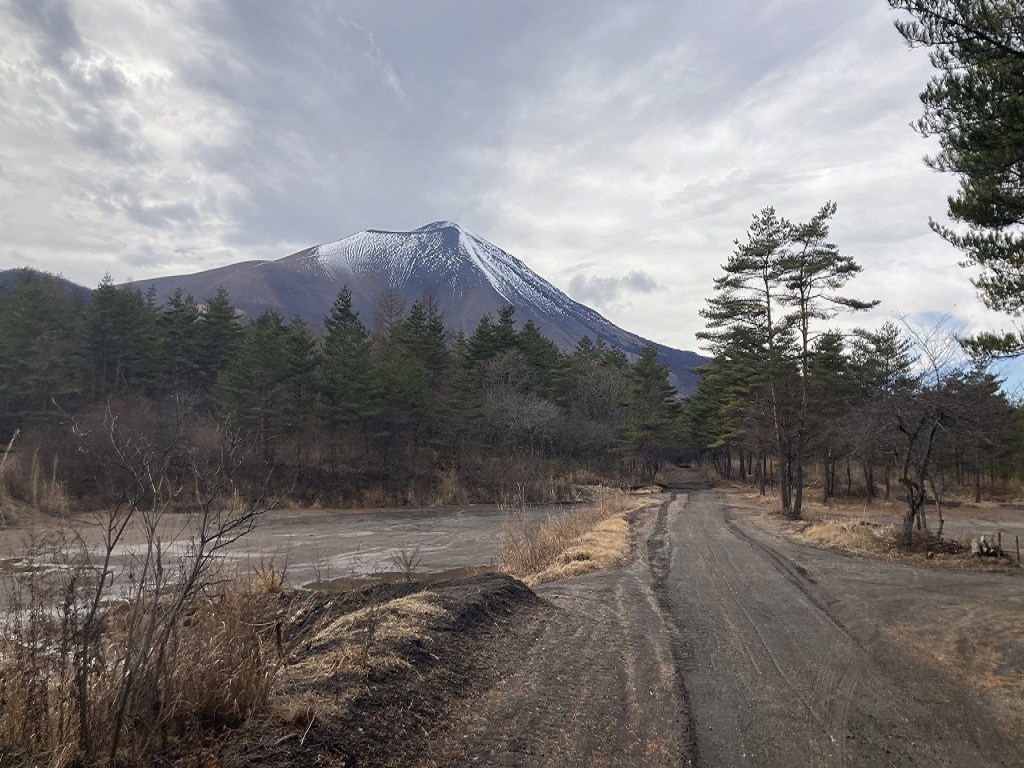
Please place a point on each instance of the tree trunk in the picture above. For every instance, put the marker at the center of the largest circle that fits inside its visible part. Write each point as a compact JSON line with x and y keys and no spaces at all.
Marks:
{"x":786,"y":484}
{"x":798,"y":495}
{"x":888,"y":479}
{"x":826,"y":485}
{"x":977,"y":478}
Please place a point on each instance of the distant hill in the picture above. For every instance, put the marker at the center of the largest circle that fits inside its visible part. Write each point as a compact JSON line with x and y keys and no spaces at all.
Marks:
{"x":9,"y":278}
{"x":466,"y":275}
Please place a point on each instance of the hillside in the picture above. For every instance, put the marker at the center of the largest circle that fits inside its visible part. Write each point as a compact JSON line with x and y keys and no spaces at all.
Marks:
{"x":465,"y":274}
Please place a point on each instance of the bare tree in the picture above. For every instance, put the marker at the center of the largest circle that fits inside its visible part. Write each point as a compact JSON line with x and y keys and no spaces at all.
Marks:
{"x":178,"y":495}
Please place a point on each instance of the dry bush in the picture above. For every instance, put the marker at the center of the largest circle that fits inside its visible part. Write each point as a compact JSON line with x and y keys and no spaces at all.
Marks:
{"x":37,"y":644}
{"x":46,"y":491}
{"x":7,"y":470}
{"x":864,"y":537}
{"x":449,"y":490}
{"x":218,"y":667}
{"x":406,"y":560}
{"x":584,"y":539}
{"x":34,"y":485}
{"x":224,"y":660}
{"x":267,"y":576}
{"x":114,"y":652}
{"x":852,"y":535}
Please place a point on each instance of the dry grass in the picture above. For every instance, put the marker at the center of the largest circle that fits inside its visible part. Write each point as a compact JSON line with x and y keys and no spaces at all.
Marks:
{"x":864,"y":537}
{"x":859,"y":536}
{"x":871,"y":530}
{"x":226,"y":659}
{"x":218,"y":668}
{"x":368,"y":640}
{"x":579,"y":541}
{"x":36,"y":487}
{"x":980,"y":645}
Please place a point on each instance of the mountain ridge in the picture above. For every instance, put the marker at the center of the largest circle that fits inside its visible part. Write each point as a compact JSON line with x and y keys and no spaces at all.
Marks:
{"x":467,"y":276}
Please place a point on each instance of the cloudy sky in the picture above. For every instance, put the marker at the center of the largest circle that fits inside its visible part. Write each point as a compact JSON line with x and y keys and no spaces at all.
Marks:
{"x":618,"y":148}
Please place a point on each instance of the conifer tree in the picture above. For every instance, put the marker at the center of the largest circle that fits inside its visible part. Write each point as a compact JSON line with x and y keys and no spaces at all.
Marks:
{"x":812,"y":272}
{"x":179,"y":329}
{"x":254,"y":384}
{"x":41,"y":340}
{"x":121,"y":339}
{"x":541,"y":354}
{"x":302,"y":361}
{"x":219,"y":333}
{"x":651,"y":408}
{"x":974,"y":105}
{"x":346,"y":383}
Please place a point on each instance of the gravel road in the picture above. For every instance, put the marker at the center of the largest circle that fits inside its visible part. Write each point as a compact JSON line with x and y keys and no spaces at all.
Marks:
{"x":719,"y":645}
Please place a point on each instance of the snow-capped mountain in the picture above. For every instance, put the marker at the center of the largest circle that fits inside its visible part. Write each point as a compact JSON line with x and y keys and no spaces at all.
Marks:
{"x":467,"y":276}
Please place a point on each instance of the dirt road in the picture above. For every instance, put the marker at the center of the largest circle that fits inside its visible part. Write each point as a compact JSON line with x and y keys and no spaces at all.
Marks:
{"x":720,"y":645}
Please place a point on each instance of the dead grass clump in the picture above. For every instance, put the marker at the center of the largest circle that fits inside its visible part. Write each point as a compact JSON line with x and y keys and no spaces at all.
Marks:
{"x":225,"y":659}
{"x":605,"y":545}
{"x":864,"y":537}
{"x":46,"y":491}
{"x":449,"y":490}
{"x":216,"y":669}
{"x":5,"y":493}
{"x":578,"y":541}
{"x":36,"y":486}
{"x":370,"y":639}
{"x":859,"y":536}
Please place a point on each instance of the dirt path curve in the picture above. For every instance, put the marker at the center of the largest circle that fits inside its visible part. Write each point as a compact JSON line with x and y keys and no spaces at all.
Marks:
{"x":714,"y":647}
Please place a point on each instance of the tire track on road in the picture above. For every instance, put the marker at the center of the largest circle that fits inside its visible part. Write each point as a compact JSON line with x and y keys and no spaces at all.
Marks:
{"x":659,"y":564}
{"x":771,"y":674}
{"x":590,"y":680}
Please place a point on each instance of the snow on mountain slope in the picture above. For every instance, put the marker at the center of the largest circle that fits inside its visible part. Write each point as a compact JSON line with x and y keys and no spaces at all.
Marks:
{"x":466,"y":275}
{"x":444,"y":250}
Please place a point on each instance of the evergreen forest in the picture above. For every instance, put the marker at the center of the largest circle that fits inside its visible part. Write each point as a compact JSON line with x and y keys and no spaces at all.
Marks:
{"x":400,"y":411}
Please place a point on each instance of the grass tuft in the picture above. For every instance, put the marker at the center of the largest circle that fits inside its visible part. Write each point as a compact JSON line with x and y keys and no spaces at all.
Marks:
{"x":585,"y":539}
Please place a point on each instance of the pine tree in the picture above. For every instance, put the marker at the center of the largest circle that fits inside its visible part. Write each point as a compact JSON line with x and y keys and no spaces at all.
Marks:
{"x":651,"y":410}
{"x":812,"y":271}
{"x":302,"y":362}
{"x":254,"y":385}
{"x":348,"y":396}
{"x":541,"y":354}
{"x":41,"y":340}
{"x":975,"y":106}
{"x":179,"y":326}
{"x":219,"y":333}
{"x":121,"y":338}
{"x":745,"y":315}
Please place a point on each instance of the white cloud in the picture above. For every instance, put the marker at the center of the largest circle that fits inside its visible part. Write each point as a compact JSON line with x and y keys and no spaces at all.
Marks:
{"x":638,"y":139}
{"x":609,"y":293}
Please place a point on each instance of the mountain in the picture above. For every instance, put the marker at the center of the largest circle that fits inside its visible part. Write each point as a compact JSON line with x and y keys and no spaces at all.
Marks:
{"x":11,"y":278}
{"x":467,"y":275}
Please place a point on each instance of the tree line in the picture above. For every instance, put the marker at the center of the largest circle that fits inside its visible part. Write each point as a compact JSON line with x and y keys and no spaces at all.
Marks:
{"x":898,"y":404}
{"x":402,"y":408}
{"x":786,"y":400}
